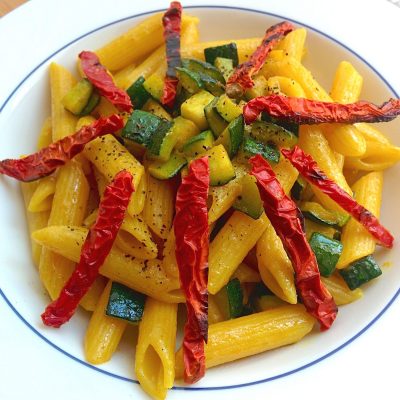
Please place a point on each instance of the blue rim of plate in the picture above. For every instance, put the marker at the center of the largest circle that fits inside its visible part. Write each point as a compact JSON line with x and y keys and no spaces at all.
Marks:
{"x":271,"y":378}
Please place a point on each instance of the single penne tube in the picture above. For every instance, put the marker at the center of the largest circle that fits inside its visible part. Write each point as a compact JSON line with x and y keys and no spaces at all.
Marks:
{"x":293,"y":43}
{"x":285,"y":85}
{"x":170,"y":264}
{"x":286,"y":174}
{"x":231,"y":245}
{"x":145,"y":276}
{"x":367,"y":164}
{"x":110,"y":157}
{"x":121,"y":78}
{"x":103,"y":333}
{"x":347,"y":84}
{"x":371,"y":134}
{"x":61,"y":82}
{"x":105,"y":108}
{"x":158,"y":211}
{"x":275,"y":268}
{"x":253,"y":334}
{"x":155,"y":350}
{"x":42,"y":198}
{"x":356,"y":240}
{"x":45,"y":135}
{"x":339,"y":290}
{"x":383,"y":152}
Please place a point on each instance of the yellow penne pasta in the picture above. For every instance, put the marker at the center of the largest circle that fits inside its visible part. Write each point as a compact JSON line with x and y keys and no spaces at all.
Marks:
{"x":110,"y":157}
{"x":155,"y":350}
{"x":103,"y":333}
{"x":105,"y":108}
{"x":122,"y":76}
{"x":347,"y":84}
{"x":253,"y":334}
{"x":170,"y":264}
{"x":158,"y":210}
{"x":293,"y":43}
{"x":42,"y":198}
{"x":312,"y":227}
{"x":367,"y":164}
{"x":236,"y":238}
{"x":372,"y":134}
{"x":339,"y":290}
{"x":275,"y":268}
{"x":45,"y":136}
{"x":214,"y":312}
{"x":246,"y":274}
{"x":286,"y":174}
{"x":285,"y":85}
{"x":268,"y":302}
{"x":356,"y":240}
{"x":145,"y":276}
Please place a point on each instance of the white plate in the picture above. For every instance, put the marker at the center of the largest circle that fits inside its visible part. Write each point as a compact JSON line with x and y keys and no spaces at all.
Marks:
{"x":353,"y":358}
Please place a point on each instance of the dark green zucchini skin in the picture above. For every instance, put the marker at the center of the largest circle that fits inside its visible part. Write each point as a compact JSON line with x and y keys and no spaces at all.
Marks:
{"x":138,"y":94}
{"x":360,"y":272}
{"x":225,"y":51}
{"x":251,"y":147}
{"x":204,"y":68}
{"x":216,"y":123}
{"x":235,"y":298}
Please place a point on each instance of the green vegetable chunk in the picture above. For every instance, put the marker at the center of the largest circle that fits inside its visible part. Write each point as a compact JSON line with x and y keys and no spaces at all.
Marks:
{"x":190,"y":80}
{"x":360,"y":272}
{"x":125,"y":303}
{"x":267,"y":132}
{"x":168,"y":169}
{"x":204,"y":68}
{"x":235,"y":298}
{"x":327,"y":252}
{"x":78,"y":97}
{"x":319,"y":214}
{"x":216,"y":123}
{"x":221,"y":168}
{"x":232,"y":136}
{"x":225,"y":65}
{"x":199,"y":144}
{"x":226,"y":51}
{"x":138,"y":94}
{"x":251,"y":147}
{"x":249,"y":201}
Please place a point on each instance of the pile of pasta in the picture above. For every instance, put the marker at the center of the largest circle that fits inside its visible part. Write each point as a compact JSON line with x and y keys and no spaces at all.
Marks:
{"x":62,"y":207}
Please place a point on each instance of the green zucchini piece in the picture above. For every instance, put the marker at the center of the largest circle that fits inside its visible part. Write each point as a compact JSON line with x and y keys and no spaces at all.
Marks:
{"x":138,"y":94}
{"x":328,"y":231}
{"x":225,"y":65}
{"x":216,"y":123}
{"x":360,"y":272}
{"x":166,"y":170}
{"x":125,"y":303}
{"x":142,"y":125}
{"x":78,"y":97}
{"x":221,"y":168}
{"x":252,"y":147}
{"x":232,"y":136}
{"x":249,"y":201}
{"x":235,"y":298}
{"x":226,"y":51}
{"x":162,"y":141}
{"x":227,"y":108}
{"x":154,"y":107}
{"x":184,"y":129}
{"x":154,"y":85}
{"x":204,"y":68}
{"x":289,"y":126}
{"x":298,"y":188}
{"x":327,"y":252}
{"x":91,"y":105}
{"x":260,"y":88}
{"x":193,"y":108}
{"x":190,"y":80}
{"x":271,"y":133}
{"x":317,"y":213}
{"x":214,"y":86}
{"x":198,"y":144}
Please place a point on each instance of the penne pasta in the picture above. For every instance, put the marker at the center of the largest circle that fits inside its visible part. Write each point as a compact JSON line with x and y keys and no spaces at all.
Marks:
{"x":246,"y":274}
{"x":285,"y":85}
{"x":338,"y":288}
{"x":45,"y":135}
{"x":292,"y":44}
{"x":42,"y":197}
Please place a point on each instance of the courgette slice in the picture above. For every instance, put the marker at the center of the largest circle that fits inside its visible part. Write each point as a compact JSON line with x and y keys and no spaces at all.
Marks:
{"x":78,"y":97}
{"x":168,"y":169}
{"x":327,"y":252}
{"x":289,"y":126}
{"x":138,"y":94}
{"x":232,"y":136}
{"x":249,"y":201}
{"x":226,"y":51}
{"x":252,"y":147}
{"x":198,"y":144}
{"x":298,"y":188}
{"x":260,"y":88}
{"x":227,"y":108}
{"x":154,"y":85}
{"x":225,"y":65}
{"x":319,"y":214}
{"x":271,"y":133}
{"x":185,"y":129}
{"x":328,"y":231}
{"x":91,"y":105}
{"x":360,"y":272}
{"x":221,"y":168}
{"x":154,"y":107}
{"x":216,"y":123}
{"x":230,"y":299}
{"x":214,"y":86}
{"x":204,"y":68}
{"x":193,"y":108}
{"x":190,"y":80}
{"x":125,"y":303}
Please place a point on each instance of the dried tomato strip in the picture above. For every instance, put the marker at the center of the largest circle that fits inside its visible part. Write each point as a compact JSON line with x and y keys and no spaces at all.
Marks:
{"x":103,"y":82}
{"x":191,"y":231}
{"x":304,"y":111}
{"x":287,"y":221}
{"x":95,"y":250}
{"x":307,"y":167}
{"x":172,"y":35}
{"x":241,"y":79}
{"x":48,"y":159}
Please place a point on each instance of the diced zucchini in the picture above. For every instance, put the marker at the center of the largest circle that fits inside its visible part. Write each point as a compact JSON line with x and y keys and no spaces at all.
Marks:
{"x":216,"y":123}
{"x":225,"y":65}
{"x":249,"y":201}
{"x":252,"y":147}
{"x":232,"y":136}
{"x":204,"y":68}
{"x":271,"y":133}
{"x":214,"y":86}
{"x":193,"y":108}
{"x":221,"y":168}
{"x":326,"y":230}
{"x":162,"y":142}
{"x":91,"y":105}
{"x":156,"y":108}
{"x":227,"y":108}
{"x":289,"y":126}
{"x":185,"y":129}
{"x":78,"y":97}
{"x":230,"y":299}
{"x":154,"y":85}
{"x":226,"y":51}
{"x":260,"y":88}
{"x":317,"y":213}
{"x":360,"y":272}
{"x":298,"y":188}
{"x":138,"y":94}
{"x":168,"y":169}
{"x":142,"y":125}
{"x":199,"y":144}
{"x":125,"y":303}
{"x":327,"y":252}
{"x":190,"y":80}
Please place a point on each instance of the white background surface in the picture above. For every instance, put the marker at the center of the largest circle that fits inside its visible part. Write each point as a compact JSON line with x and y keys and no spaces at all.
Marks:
{"x":30,"y":368}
